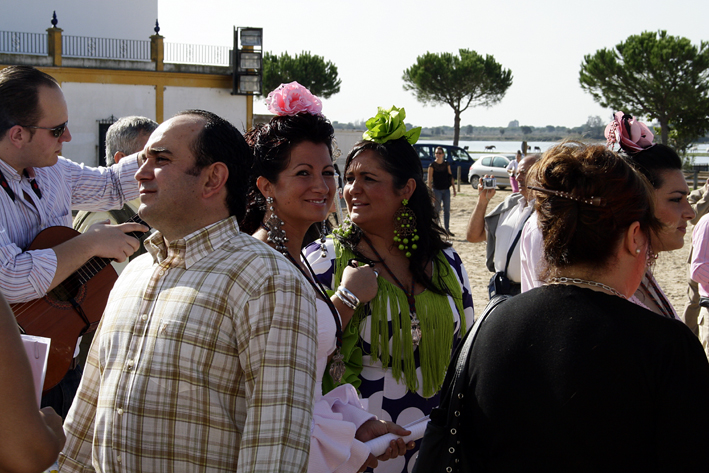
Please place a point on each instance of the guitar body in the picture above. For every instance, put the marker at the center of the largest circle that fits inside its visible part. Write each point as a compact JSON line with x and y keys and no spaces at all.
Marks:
{"x":54,"y":316}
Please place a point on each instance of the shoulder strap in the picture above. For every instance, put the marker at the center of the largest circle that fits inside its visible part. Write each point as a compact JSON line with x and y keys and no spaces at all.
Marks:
{"x":456,"y":380}
{"x":514,"y":243}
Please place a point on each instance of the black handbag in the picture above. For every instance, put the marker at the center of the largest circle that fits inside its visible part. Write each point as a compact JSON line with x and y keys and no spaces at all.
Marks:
{"x":440,"y":449}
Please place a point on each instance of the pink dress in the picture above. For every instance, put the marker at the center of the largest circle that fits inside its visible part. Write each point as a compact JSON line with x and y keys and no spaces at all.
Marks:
{"x":336,"y":415}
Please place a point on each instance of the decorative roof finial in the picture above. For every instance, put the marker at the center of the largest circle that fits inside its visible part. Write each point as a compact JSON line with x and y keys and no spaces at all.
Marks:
{"x":54,"y":19}
{"x":157,"y":27}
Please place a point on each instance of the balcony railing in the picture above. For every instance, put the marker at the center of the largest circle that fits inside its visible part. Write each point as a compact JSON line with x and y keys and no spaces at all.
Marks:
{"x":12,"y":42}
{"x":197,"y":54}
{"x":105,"y":48}
{"x":119,"y":49}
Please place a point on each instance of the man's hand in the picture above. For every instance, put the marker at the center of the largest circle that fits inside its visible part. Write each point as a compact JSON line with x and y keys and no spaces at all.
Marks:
{"x":111,"y":241}
{"x":485,"y":195}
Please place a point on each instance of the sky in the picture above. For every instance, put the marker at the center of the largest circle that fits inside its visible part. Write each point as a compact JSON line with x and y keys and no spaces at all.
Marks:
{"x":542,"y":42}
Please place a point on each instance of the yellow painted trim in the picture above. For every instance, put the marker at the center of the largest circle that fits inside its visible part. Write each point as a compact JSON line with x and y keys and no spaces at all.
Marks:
{"x":157,"y":79}
{"x":249,"y":112}
{"x":109,"y":76}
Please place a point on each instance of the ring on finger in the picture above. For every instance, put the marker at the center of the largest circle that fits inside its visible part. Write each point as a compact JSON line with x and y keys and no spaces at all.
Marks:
{"x":376,"y":273}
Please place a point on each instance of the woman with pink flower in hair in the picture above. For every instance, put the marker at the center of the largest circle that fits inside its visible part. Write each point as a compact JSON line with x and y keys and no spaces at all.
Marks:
{"x":662,"y":166}
{"x":292,"y":188}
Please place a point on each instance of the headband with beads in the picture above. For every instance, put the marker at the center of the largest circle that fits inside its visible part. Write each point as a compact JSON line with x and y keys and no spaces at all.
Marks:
{"x":595,"y":201}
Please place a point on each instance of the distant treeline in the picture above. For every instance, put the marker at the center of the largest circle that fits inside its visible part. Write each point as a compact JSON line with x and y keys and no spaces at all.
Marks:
{"x":591,"y":130}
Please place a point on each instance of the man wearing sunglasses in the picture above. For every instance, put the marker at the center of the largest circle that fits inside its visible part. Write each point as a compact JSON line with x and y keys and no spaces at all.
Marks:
{"x":39,"y":190}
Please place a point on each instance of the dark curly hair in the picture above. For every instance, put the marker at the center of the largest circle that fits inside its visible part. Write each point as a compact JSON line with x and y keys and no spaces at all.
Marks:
{"x":271,"y":145}
{"x":402,"y":162}
{"x":578,"y":233}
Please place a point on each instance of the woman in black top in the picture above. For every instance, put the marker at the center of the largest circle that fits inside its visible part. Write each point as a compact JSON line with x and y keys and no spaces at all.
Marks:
{"x":571,"y":376}
{"x":440,"y":180}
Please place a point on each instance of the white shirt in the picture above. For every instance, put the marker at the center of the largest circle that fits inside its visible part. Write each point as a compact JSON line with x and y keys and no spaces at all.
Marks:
{"x":26,"y":275}
{"x":508,"y":227}
{"x":531,"y":254}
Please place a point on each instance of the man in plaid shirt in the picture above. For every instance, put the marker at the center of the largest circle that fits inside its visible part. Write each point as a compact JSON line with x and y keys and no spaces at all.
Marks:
{"x":205,"y":357}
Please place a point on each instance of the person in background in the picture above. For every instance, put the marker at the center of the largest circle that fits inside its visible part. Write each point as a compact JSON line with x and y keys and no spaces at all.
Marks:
{"x":512,"y":171}
{"x":292,"y":186}
{"x":502,"y":226}
{"x":699,"y":274}
{"x":39,"y":190}
{"x":126,"y":136}
{"x":31,"y":438}
{"x":440,"y":181}
{"x":699,"y":200}
{"x":397,"y":346}
{"x":571,"y":376}
{"x":205,"y":356}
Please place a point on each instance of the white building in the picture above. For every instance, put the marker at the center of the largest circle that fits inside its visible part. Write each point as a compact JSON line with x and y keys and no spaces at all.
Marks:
{"x":111,"y":63}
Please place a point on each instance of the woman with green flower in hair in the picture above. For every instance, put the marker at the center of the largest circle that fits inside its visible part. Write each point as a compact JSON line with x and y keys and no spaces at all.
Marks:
{"x":397,"y":346}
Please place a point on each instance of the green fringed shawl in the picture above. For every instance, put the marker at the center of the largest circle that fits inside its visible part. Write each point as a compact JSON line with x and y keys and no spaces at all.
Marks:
{"x":434,"y":313}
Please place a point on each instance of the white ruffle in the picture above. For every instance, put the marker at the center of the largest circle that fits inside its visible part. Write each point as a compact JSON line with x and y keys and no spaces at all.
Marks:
{"x":336,"y":418}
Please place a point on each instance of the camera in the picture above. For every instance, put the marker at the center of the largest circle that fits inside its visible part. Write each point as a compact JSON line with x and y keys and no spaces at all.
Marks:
{"x":488,"y":182}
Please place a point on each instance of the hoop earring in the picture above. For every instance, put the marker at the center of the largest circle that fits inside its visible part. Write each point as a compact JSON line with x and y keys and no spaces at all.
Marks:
{"x":405,"y":231}
{"x":274,"y":225}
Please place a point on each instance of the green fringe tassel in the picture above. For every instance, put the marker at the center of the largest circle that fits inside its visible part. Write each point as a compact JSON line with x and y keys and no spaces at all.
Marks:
{"x":433,"y":311}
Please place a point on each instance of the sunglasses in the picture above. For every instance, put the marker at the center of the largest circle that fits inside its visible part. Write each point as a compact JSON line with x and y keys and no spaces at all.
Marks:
{"x":57,"y":131}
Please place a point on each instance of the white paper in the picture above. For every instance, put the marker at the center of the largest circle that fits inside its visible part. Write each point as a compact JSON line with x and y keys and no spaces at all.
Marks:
{"x":379,"y":445}
{"x":37,"y":349}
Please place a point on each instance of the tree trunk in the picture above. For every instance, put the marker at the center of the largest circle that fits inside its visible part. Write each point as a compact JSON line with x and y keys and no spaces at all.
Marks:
{"x":456,"y":128}
{"x":664,"y":132}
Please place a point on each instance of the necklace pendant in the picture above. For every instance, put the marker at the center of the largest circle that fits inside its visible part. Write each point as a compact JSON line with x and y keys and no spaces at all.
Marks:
{"x":415,"y":330}
{"x":337,"y":366}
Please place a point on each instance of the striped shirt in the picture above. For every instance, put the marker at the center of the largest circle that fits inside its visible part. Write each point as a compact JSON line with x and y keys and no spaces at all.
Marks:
{"x":25,"y":276}
{"x":204,"y":362}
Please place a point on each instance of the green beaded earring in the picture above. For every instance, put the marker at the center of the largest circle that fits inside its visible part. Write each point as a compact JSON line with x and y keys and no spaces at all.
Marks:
{"x":405,"y":232}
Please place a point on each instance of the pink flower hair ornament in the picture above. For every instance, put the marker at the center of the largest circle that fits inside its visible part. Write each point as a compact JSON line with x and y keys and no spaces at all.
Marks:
{"x":632,"y":135}
{"x":292,"y":99}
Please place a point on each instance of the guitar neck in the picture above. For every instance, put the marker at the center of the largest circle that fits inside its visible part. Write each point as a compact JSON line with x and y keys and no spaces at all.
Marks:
{"x":96,"y":264}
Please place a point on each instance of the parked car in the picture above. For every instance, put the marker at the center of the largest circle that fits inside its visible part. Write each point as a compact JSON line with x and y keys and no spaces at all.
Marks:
{"x":455,"y":156}
{"x":491,"y":165}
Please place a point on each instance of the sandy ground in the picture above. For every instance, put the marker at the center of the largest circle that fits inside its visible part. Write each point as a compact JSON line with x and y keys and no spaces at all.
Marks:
{"x":670,"y":269}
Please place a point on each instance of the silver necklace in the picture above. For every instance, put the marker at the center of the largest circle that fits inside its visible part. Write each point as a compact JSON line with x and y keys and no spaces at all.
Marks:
{"x":565,"y":280}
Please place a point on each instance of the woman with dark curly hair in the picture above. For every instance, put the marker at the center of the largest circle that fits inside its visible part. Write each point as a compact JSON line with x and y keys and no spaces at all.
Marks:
{"x":398,"y":345}
{"x":661,"y":166}
{"x":571,"y":376}
{"x":292,"y":187}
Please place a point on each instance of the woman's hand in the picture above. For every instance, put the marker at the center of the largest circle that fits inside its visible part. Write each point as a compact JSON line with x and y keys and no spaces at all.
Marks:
{"x":361,"y":281}
{"x":376,"y":428}
{"x":54,"y":424}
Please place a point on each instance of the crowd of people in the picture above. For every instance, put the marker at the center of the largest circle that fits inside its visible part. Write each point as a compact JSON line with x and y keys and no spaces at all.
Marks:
{"x":249,"y":330}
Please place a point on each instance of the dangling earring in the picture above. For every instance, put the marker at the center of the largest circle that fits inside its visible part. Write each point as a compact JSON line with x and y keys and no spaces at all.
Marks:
{"x":323,"y":234}
{"x":274,"y":226}
{"x":405,"y":227}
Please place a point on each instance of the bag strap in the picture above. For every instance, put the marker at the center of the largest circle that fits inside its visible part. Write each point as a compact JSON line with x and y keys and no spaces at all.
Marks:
{"x":455,"y":377}
{"x":514,"y":243}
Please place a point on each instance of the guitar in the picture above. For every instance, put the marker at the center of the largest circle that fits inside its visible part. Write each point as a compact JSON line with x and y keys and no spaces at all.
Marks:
{"x":71,"y":309}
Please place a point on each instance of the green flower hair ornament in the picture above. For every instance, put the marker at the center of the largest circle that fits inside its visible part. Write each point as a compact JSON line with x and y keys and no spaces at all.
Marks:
{"x":389,"y":125}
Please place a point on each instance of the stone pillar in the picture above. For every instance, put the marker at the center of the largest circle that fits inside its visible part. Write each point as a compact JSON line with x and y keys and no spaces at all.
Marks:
{"x":54,"y":45}
{"x":157,"y":51}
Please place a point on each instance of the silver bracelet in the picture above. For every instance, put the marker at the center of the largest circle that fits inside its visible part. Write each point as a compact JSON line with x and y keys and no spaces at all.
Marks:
{"x":347,"y":298}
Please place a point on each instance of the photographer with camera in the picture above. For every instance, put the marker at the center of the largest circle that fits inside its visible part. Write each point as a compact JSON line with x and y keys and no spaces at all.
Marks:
{"x":502,"y":228}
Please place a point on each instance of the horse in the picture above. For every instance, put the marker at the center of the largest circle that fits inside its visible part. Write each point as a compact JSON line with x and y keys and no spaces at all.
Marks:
{"x":537,"y":148}
{"x":489,"y":148}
